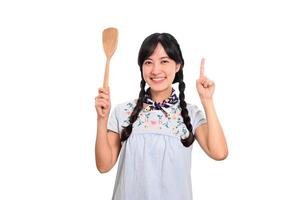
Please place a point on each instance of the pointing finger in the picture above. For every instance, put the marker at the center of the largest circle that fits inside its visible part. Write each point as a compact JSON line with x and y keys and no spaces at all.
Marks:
{"x":202,"y":67}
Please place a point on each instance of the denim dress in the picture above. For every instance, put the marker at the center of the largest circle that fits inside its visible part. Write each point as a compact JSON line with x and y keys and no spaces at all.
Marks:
{"x":153,"y":163}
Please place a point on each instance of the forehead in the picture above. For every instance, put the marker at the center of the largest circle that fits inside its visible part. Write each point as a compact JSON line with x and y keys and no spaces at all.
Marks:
{"x":158,"y":52}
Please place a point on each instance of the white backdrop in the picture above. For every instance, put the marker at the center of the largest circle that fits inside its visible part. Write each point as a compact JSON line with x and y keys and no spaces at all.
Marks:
{"x":52,"y":64}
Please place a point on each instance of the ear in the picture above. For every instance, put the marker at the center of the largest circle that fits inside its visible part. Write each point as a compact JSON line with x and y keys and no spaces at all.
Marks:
{"x":177,"y":67}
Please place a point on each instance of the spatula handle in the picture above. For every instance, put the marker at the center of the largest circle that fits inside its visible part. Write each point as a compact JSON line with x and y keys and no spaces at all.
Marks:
{"x":106,"y":78}
{"x":106,"y":74}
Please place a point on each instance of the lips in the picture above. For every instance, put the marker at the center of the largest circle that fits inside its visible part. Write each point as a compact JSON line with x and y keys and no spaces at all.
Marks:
{"x":158,"y":79}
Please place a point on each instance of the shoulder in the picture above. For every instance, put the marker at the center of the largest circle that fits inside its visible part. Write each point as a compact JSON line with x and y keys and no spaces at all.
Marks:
{"x":125,"y":108}
{"x":192,"y":107}
{"x":194,"y":111}
{"x":126,"y":105}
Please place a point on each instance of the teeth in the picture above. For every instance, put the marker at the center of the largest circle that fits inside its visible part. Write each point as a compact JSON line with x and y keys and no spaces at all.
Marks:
{"x":157,"y":79}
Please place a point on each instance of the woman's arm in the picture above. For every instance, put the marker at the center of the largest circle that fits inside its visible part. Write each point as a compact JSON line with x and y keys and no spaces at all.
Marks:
{"x":107,"y":147}
{"x":210,"y":135}
{"x":108,"y":143}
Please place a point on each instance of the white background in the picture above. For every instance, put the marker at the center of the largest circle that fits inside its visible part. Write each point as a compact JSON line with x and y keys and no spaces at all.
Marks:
{"x":52,"y":64}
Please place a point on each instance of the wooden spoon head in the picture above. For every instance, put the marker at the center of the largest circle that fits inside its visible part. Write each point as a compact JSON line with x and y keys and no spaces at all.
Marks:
{"x":110,"y":41}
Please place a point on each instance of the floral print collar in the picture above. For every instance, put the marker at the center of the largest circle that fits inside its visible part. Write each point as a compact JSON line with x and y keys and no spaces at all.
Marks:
{"x":152,"y":105}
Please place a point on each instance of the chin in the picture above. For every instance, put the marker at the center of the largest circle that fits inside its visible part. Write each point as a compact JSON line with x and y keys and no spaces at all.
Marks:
{"x":159,"y":88}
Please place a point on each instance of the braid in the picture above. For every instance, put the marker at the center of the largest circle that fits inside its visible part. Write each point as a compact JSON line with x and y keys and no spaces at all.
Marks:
{"x":134,"y":115}
{"x":184,"y":112}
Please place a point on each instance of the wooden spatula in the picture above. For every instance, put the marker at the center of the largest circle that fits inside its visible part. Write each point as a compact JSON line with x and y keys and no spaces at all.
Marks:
{"x":110,"y":42}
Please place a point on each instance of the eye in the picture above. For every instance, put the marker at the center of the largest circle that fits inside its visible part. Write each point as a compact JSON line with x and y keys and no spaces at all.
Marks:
{"x":147,"y":62}
{"x":164,"y":61}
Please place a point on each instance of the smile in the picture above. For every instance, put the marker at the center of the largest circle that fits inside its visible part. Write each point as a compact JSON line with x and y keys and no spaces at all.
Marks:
{"x":158,"y":80}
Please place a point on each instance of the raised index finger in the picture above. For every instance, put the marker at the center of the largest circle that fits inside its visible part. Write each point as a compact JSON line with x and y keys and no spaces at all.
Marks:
{"x":202,"y":67}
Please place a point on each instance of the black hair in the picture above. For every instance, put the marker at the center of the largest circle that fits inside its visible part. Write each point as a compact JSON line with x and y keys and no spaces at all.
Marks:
{"x":173,"y":50}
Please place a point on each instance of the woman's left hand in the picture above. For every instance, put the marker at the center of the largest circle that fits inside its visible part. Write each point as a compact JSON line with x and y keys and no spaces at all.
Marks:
{"x":205,"y":86}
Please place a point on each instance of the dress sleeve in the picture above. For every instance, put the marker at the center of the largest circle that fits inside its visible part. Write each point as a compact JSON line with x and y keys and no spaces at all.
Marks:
{"x":113,"y":121}
{"x":197,"y":117}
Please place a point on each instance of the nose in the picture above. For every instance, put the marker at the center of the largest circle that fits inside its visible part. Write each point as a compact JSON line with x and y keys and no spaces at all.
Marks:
{"x":156,"y":68}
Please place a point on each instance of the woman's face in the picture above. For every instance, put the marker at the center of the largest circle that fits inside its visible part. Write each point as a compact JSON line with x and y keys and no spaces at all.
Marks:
{"x":159,"y":70}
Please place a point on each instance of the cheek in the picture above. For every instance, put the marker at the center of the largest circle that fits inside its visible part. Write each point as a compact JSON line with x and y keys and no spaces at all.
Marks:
{"x":171,"y":75}
{"x":145,"y":73}
{"x":172,"y":72}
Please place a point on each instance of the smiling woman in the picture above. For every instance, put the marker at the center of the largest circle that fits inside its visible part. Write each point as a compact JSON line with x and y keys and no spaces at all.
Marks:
{"x":154,"y":134}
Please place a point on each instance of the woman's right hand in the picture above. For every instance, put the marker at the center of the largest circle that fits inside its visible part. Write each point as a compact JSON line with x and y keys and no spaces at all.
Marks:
{"x":102,"y":103}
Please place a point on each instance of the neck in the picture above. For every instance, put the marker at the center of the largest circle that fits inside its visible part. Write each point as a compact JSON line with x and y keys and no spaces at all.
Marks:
{"x":159,"y":96}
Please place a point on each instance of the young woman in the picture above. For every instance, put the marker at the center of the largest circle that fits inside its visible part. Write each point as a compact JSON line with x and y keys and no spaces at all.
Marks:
{"x":154,"y":134}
